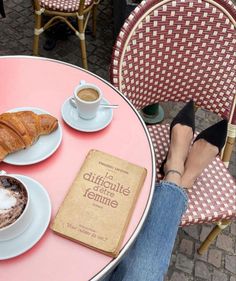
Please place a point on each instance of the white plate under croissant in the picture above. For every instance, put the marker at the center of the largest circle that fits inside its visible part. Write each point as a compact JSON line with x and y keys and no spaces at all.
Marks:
{"x":40,"y":146}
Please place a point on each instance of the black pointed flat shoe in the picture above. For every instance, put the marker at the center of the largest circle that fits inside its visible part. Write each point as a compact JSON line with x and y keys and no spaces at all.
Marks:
{"x":186,"y":116}
{"x":215,"y":134}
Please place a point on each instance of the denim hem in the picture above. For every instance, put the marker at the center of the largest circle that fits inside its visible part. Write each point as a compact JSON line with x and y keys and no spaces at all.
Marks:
{"x":149,"y":257}
{"x":178,"y":188}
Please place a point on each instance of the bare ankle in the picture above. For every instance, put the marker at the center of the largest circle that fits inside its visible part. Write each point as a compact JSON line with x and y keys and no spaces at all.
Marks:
{"x":173,"y":176}
{"x":177,"y":165}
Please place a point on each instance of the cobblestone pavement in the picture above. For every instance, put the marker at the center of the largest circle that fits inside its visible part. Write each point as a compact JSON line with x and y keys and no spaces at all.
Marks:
{"x":16,"y":37}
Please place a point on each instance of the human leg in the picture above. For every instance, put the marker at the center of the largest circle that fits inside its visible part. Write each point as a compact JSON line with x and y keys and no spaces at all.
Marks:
{"x":149,"y":258}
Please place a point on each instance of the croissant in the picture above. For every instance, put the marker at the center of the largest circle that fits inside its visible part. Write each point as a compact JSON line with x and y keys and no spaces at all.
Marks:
{"x":19,"y":130}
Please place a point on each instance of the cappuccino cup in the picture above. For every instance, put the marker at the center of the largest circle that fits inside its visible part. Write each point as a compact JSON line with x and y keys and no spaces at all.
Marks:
{"x":87,"y":98}
{"x":15,"y":213}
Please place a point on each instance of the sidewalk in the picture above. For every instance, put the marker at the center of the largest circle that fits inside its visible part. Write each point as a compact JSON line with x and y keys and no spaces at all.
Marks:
{"x":16,"y":38}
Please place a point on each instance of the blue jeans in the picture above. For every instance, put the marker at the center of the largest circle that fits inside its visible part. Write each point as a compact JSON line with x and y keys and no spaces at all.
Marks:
{"x":148,"y":259}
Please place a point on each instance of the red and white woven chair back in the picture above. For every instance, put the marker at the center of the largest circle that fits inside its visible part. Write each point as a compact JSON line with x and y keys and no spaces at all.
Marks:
{"x":68,"y":6}
{"x":174,"y":50}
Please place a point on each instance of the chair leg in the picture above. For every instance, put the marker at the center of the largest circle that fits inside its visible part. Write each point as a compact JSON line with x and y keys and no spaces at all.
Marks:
{"x":84,"y":55}
{"x":2,"y":11}
{"x":95,"y":8}
{"x":37,"y":27}
{"x":212,"y":235}
{"x":82,"y":43}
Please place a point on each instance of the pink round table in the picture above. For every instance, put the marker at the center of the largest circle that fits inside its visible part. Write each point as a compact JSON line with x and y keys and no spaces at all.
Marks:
{"x":46,"y":84}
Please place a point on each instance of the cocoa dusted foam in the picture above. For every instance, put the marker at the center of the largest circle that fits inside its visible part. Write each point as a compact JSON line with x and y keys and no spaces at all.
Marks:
{"x":13,"y":199}
{"x":88,"y":94}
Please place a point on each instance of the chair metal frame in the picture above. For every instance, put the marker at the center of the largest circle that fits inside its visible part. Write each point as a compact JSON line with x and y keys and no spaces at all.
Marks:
{"x":121,"y":72}
{"x":82,"y":15}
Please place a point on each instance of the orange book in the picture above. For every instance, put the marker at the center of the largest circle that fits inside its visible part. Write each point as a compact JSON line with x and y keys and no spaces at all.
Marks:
{"x":99,"y":204}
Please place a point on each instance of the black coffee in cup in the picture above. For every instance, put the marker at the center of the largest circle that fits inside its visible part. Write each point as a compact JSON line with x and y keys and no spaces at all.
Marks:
{"x":88,"y":94}
{"x":13,"y":199}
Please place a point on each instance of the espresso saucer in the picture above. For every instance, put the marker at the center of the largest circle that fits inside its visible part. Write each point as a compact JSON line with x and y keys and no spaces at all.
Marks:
{"x":41,"y":209}
{"x":71,"y":117}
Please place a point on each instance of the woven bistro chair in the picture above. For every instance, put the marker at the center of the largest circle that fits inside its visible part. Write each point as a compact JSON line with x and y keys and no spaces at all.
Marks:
{"x":175,"y":50}
{"x":61,"y":10}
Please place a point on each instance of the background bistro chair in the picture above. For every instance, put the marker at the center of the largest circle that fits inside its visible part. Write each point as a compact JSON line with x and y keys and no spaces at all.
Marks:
{"x":2,"y":11}
{"x":61,"y":10}
{"x":174,"y":50}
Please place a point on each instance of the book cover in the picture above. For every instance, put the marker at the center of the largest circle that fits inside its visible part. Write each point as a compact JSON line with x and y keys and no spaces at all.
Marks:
{"x":99,"y":204}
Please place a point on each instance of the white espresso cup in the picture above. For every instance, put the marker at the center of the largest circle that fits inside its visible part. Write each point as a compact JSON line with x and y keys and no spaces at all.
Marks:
{"x":87,"y":98}
{"x":8,"y":201}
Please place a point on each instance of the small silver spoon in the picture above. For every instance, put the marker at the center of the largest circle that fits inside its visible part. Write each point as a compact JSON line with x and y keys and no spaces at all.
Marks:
{"x":73,"y":103}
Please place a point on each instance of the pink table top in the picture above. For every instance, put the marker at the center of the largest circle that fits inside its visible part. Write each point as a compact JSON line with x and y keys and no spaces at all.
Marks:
{"x":43,"y":83}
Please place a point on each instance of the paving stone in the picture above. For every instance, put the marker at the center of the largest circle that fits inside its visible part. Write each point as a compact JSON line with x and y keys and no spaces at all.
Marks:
{"x":202,"y":271}
{"x":104,"y":74}
{"x":192,"y":231}
{"x":186,"y":247}
{"x":26,"y":4}
{"x":178,"y":276}
{"x":206,"y":229}
{"x":166,"y":278}
{"x":225,"y":242}
{"x":197,"y":256}
{"x":201,"y":113}
{"x":183,"y":263}
{"x":90,"y":48}
{"x":25,"y":41}
{"x":26,"y":14}
{"x":9,"y":4}
{"x":18,"y":8}
{"x":172,"y":260}
{"x":219,"y":276}
{"x":4,"y":39}
{"x":12,"y":33}
{"x":214,"y":257}
{"x":177,"y":241}
{"x":233,"y":228}
{"x":96,"y":60}
{"x":232,"y":278}
{"x":230,"y":263}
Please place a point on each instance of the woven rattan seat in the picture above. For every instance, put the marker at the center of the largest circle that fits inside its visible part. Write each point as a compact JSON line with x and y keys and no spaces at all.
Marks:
{"x":175,"y":50}
{"x":63,"y":5}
